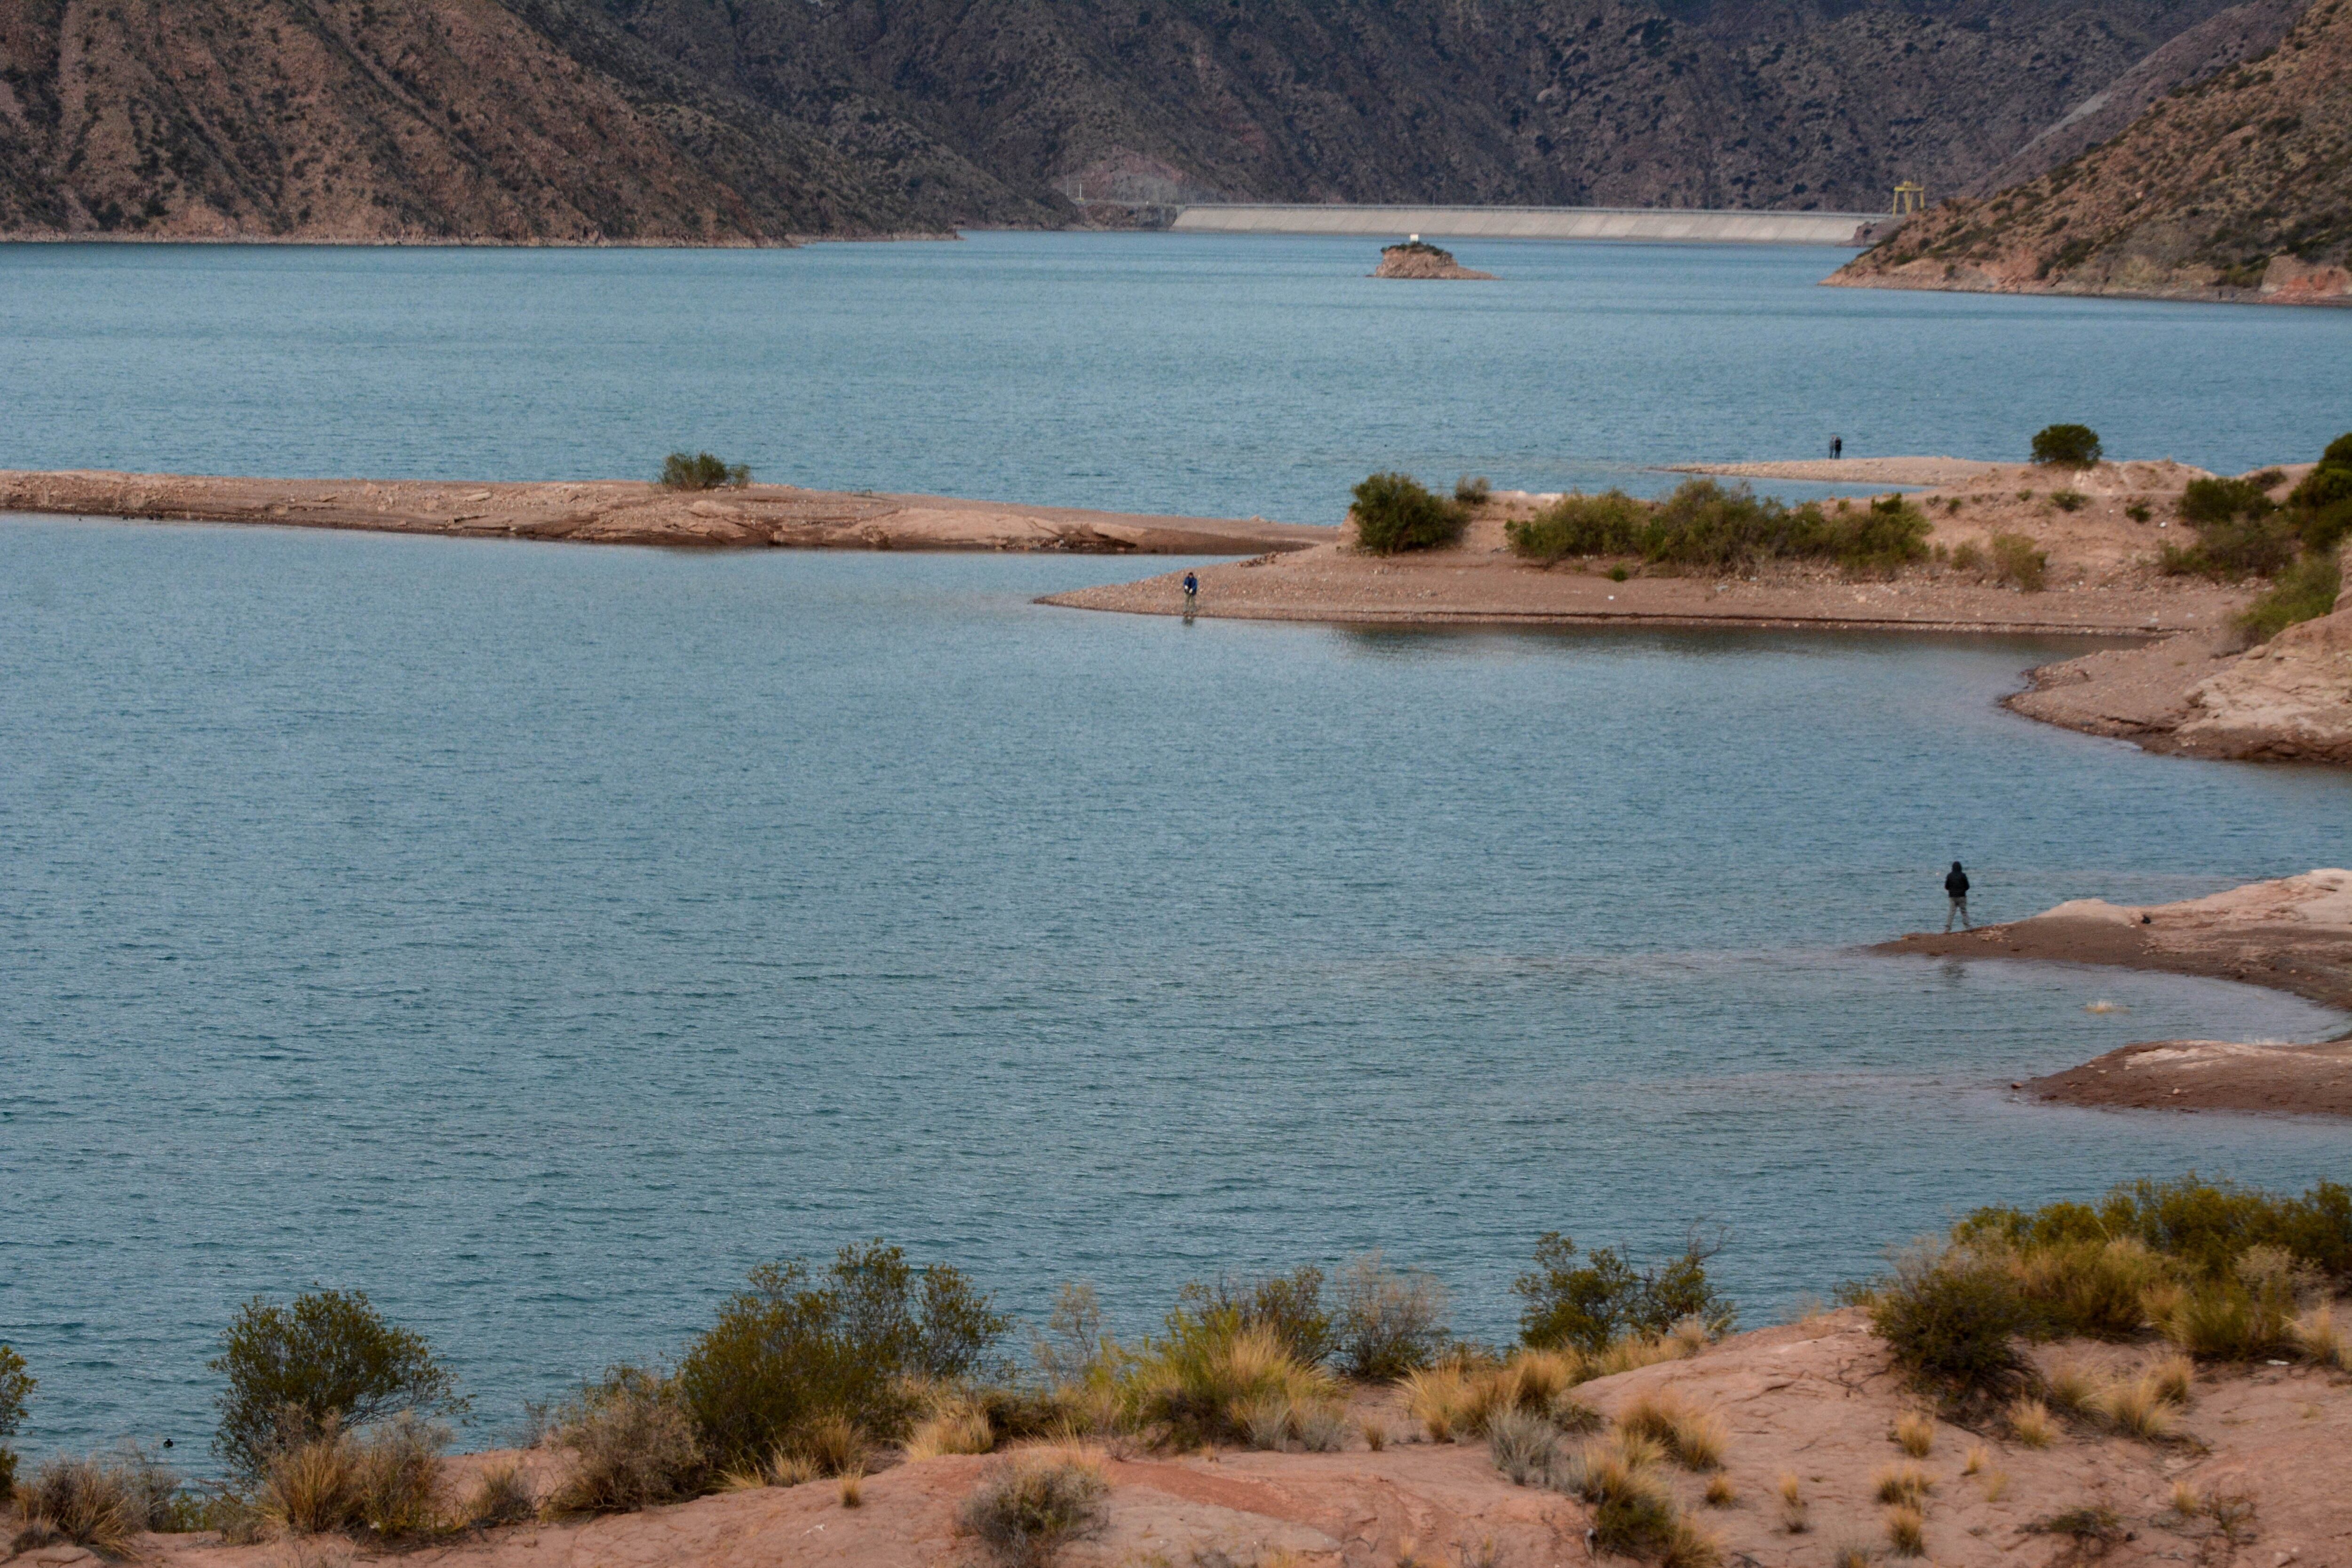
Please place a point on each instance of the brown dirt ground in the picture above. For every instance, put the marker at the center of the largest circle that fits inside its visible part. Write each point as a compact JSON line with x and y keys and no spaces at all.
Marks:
{"x":616,"y":511}
{"x":1816,"y":1399}
{"x":2101,"y":579}
{"x":2292,"y":934}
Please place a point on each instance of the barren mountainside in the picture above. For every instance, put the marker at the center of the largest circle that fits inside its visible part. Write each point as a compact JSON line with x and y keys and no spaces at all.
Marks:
{"x":2239,"y":186}
{"x":693,"y":120}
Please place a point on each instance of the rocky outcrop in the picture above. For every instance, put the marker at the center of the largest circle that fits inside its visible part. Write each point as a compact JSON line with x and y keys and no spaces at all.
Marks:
{"x":2237,"y":188}
{"x":1415,"y":259}
{"x":2288,"y":701}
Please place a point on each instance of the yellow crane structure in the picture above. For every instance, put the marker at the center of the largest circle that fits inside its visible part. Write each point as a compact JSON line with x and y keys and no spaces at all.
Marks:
{"x":1910,"y":197}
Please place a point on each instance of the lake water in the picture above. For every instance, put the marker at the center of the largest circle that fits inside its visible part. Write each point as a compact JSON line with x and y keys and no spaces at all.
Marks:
{"x":1224,"y":375}
{"x":540,"y":937}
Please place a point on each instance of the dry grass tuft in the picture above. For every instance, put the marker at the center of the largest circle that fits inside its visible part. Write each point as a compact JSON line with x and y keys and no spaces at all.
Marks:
{"x":1995,"y":1483}
{"x":1025,"y":1509}
{"x":2137,"y":1409}
{"x":1375,"y":1433}
{"x":1906,"y":1531}
{"x":1901,"y":1484}
{"x":833,"y":1443}
{"x":1439,"y":1398}
{"x":1976,"y":1459}
{"x":1696,"y":1438}
{"x":90,"y":1501}
{"x":2184,"y":1500}
{"x":633,"y":1446}
{"x":1851,"y":1554}
{"x":2174,"y":1377}
{"x":2072,"y":1388}
{"x":1524,"y":1444}
{"x":2315,"y":1334}
{"x":2030,"y":1423}
{"x":958,"y":1428}
{"x":1793,"y":1504}
{"x":1915,"y":1432}
{"x":853,"y":1489}
{"x":1720,"y":1493}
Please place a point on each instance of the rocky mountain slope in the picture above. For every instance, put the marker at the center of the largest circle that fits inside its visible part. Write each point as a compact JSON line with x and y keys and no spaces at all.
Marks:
{"x":2239,"y":186}
{"x":687,"y":120}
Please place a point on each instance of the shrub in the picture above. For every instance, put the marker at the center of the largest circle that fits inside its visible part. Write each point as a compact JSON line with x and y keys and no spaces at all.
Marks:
{"x":502,"y":1496}
{"x":1473,"y":491}
{"x":1023,"y":1511}
{"x":1587,"y":1306}
{"x":2093,"y":1527}
{"x":102,"y":1502}
{"x":2219,"y":500}
{"x":1610,"y":524}
{"x":2330,"y":482}
{"x":1073,"y":1350}
{"x":2066,"y":446}
{"x":633,"y":1444}
{"x":2325,"y":528}
{"x":1524,"y":1446}
{"x":2236,"y":547}
{"x":2204,"y":1226}
{"x":329,"y":1362}
{"x":1200,"y":1381}
{"x":1633,"y":1514}
{"x":702,"y":471}
{"x":2137,"y":513}
{"x":1949,"y":1317}
{"x":1966,"y":556}
{"x":1389,"y":1323}
{"x":2069,"y":500}
{"x":2092,"y":1288}
{"x":1702,"y":525}
{"x":389,"y":1485}
{"x":790,"y":1350}
{"x":1393,"y":512}
{"x":16,"y":1387}
{"x":1288,"y":1305}
{"x":2016,"y":561}
{"x":2303,"y":592}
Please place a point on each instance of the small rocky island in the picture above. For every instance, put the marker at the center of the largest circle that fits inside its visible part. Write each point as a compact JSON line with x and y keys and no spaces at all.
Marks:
{"x":1414,"y":258}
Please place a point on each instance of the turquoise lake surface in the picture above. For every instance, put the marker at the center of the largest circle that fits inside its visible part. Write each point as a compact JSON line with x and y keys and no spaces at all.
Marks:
{"x":540,"y":937}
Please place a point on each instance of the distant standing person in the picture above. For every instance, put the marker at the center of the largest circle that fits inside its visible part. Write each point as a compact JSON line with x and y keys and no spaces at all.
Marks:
{"x":1956,"y":887}
{"x":1837,"y":448}
{"x":1192,"y":590}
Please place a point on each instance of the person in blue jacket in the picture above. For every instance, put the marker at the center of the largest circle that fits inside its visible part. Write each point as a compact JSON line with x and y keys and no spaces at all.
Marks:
{"x":1192,"y":590}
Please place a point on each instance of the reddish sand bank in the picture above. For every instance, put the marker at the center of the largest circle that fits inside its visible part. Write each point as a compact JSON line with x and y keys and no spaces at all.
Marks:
{"x":618,"y":511}
{"x":1816,"y":1400}
{"x":2292,"y":934}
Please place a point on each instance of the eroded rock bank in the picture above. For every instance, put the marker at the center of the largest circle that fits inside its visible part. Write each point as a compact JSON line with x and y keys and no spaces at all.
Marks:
{"x":621,"y":511}
{"x":2293,"y":934}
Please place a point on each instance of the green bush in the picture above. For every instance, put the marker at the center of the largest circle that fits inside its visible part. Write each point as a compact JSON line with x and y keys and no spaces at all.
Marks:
{"x":1585,"y":1306}
{"x":2069,"y":500}
{"x":2326,"y":528}
{"x":2016,"y":560}
{"x":1702,"y":525}
{"x":792,"y":1351}
{"x":1393,"y":513}
{"x":2220,"y":500}
{"x":16,"y":1387}
{"x":2242,"y":546}
{"x":702,"y":471}
{"x":2066,"y":446}
{"x":1951,"y":1317}
{"x":1290,"y":1305}
{"x":1473,"y":489}
{"x":328,"y":1360}
{"x":2330,"y":482}
{"x":2304,"y":592}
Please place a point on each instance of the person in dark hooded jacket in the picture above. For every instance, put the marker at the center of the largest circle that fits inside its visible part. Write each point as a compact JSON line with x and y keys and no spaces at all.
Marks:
{"x":1956,"y":886}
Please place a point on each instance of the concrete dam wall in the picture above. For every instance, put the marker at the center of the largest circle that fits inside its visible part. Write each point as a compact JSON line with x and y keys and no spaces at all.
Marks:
{"x":1667,"y":225}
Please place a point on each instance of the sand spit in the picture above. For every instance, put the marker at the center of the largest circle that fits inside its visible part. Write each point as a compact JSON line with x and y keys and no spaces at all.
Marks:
{"x":620,"y":511}
{"x":2101,"y":574}
{"x":2293,"y":934}
{"x":1816,"y":1400}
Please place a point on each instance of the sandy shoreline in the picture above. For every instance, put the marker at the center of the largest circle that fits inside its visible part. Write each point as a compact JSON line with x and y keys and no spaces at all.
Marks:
{"x":620,"y":511}
{"x":2101,"y":578}
{"x":2292,"y":934}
